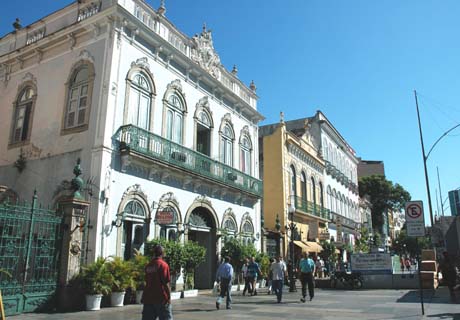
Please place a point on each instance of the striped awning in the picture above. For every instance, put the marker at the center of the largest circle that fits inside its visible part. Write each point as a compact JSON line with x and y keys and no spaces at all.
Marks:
{"x":313,"y":246}
{"x":302,"y":246}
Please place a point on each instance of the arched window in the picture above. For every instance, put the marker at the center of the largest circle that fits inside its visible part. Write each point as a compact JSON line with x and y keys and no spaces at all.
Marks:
{"x":329,"y":198}
{"x":303,"y":187}
{"x":134,"y":215}
{"x":169,"y":231}
{"x":247,"y":232}
{"x":175,"y":117}
{"x":325,"y":150}
{"x":79,"y":93}
{"x":227,"y":138}
{"x":22,"y":117}
{"x":321,"y":195}
{"x":293,"y":182}
{"x":203,"y":133}
{"x":140,"y":101}
{"x":246,"y":154}
{"x":313,"y":190}
{"x":230,"y":229}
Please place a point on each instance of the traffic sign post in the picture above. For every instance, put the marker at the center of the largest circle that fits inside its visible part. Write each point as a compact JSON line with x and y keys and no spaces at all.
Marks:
{"x":415,"y":224}
{"x":415,"y":220}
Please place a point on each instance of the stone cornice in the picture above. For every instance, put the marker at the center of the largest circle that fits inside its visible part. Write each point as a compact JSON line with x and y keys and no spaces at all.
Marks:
{"x":304,"y":156}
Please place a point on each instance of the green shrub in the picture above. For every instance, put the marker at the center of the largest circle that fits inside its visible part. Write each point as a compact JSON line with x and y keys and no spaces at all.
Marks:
{"x":94,"y":278}
{"x":121,"y":273}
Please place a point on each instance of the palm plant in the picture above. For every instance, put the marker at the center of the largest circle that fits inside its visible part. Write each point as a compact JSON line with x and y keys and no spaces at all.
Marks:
{"x":121,"y":274}
{"x":94,"y":278}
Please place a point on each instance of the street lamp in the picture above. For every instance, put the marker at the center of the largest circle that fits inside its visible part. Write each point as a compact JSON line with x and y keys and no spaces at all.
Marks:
{"x":291,"y":227}
{"x":425,"y":157}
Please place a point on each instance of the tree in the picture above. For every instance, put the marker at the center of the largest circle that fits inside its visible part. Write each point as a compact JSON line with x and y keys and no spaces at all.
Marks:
{"x":192,"y":255}
{"x":362,"y":242}
{"x":407,"y":245}
{"x":329,"y":252}
{"x":384,"y":196}
{"x":237,"y":251}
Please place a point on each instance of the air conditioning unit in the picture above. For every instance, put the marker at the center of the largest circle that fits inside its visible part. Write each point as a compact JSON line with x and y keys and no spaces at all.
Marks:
{"x":179,"y":156}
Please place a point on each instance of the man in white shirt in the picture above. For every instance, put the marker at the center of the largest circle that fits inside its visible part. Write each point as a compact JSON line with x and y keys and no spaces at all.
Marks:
{"x":278,"y":268}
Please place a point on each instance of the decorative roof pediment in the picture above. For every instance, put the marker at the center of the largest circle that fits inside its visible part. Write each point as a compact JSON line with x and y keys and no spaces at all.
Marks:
{"x":203,"y":199}
{"x":141,"y":63}
{"x":86,"y":55}
{"x":175,"y":85}
{"x":134,"y":189}
{"x":168,"y":197}
{"x":203,"y":53}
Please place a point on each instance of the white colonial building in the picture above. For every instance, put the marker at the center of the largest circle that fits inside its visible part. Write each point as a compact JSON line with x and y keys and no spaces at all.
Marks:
{"x":340,"y":180}
{"x":167,"y":137}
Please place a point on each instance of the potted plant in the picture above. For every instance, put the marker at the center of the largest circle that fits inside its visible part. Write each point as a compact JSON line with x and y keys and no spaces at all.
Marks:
{"x":121,"y":279}
{"x":95,"y":281}
{"x":173,"y":255}
{"x":193,"y":255}
{"x":138,"y":272}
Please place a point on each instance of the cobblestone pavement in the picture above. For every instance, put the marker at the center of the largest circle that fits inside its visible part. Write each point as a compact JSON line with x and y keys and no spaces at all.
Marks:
{"x":327,"y":304}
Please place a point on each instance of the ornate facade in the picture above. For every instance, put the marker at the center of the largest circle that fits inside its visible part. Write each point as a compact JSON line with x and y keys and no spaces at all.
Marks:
{"x":166,"y":135}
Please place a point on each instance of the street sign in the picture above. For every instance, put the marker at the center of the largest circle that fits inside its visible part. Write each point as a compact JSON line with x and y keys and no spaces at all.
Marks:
{"x":415,"y":220}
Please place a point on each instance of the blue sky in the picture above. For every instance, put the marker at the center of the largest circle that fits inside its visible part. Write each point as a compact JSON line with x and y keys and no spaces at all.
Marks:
{"x":358,"y":61}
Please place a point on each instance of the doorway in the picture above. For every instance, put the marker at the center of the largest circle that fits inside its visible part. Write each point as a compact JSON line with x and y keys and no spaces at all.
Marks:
{"x":202,"y":230}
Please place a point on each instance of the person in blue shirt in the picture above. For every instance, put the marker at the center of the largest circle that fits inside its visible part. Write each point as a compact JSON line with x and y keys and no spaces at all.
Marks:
{"x":307,"y":269}
{"x":253,"y":272}
{"x":224,"y":276}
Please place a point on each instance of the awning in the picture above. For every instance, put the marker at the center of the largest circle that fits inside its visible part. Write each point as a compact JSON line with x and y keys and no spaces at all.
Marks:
{"x":302,"y":246}
{"x":313,"y":246}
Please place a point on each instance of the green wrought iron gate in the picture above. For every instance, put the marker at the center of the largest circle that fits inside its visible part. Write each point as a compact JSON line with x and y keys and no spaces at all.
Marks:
{"x":30,"y":244}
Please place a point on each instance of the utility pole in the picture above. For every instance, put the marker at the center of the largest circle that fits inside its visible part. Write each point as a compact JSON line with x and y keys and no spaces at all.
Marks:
{"x":440,"y":193}
{"x":424,"y":161}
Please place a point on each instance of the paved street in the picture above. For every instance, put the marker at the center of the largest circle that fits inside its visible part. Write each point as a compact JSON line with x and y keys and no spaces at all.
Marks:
{"x":327,"y":304}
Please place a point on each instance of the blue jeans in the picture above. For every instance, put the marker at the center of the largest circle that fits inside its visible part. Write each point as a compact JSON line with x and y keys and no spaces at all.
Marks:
{"x":152,"y":311}
{"x":226,"y":289}
{"x":277,"y":287}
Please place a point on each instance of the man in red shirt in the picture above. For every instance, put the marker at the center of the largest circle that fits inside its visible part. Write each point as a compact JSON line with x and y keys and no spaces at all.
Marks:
{"x":157,"y":291}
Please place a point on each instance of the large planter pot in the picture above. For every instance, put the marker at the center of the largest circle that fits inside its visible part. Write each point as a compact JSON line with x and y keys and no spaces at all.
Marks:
{"x":176,"y":295}
{"x":190,"y":293}
{"x":116,"y":299}
{"x":139,"y":296}
{"x":93,"y":302}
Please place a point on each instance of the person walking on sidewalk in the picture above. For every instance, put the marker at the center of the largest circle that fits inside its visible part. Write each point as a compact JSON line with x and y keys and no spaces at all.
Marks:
{"x":277,"y":270}
{"x":247,"y":281}
{"x":449,"y":273}
{"x":224,"y":276}
{"x":253,"y":272}
{"x":157,"y":292}
{"x":307,"y":269}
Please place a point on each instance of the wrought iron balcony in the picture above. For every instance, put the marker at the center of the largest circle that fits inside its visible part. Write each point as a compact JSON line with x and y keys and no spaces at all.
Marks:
{"x":156,"y":148}
{"x":311,"y":208}
{"x":344,"y":220}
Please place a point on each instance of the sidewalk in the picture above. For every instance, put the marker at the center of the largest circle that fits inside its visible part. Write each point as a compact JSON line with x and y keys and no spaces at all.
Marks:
{"x":328,"y":305}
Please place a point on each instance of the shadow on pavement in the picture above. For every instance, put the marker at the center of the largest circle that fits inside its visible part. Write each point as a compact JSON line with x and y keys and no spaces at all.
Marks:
{"x":453,"y":316}
{"x":413,"y":296}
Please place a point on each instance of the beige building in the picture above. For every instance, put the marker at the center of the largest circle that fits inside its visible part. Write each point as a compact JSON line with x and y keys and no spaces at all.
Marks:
{"x":293,"y":204}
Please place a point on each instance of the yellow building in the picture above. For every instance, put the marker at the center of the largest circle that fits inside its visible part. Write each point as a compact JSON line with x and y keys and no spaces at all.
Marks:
{"x":292,"y":171}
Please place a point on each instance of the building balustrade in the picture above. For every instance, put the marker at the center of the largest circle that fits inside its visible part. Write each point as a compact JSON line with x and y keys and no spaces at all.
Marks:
{"x":311,"y":208}
{"x":147,"y":144}
{"x":340,"y":177}
{"x":335,"y":217}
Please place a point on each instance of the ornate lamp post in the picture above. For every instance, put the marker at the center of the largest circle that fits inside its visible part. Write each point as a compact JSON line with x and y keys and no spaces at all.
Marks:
{"x":291,"y":227}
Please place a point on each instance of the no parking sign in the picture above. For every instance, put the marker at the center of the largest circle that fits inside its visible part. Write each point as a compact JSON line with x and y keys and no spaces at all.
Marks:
{"x":415,"y":220}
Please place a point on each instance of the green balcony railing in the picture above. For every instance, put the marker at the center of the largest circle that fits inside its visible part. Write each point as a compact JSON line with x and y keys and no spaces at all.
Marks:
{"x":345,"y":221}
{"x":153,"y":146}
{"x":311,"y":208}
